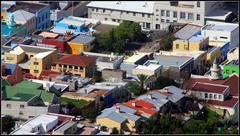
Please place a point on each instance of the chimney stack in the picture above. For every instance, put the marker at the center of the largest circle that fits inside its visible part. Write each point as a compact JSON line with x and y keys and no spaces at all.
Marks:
{"x":117,"y":109}
{"x":149,"y":96}
{"x":133,"y":103}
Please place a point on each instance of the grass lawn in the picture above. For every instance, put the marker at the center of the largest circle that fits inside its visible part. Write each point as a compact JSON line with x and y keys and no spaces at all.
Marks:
{"x":76,"y":103}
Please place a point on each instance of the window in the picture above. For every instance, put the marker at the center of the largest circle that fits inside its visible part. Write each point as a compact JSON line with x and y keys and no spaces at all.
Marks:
{"x":157,"y":19}
{"x":198,"y":17}
{"x":186,"y":47}
{"x":182,"y":15}
{"x":167,"y":21}
{"x":43,"y":18}
{"x":175,"y":14}
{"x":92,"y":9}
{"x":20,"y":113}
{"x":39,"y":19}
{"x":103,"y":10}
{"x":215,"y":96}
{"x":149,"y":15}
{"x":210,"y":96}
{"x":134,"y":14}
{"x":81,"y":68}
{"x":35,"y":71}
{"x":105,"y":19}
{"x":21,"y":106}
{"x":46,"y":15}
{"x":219,"y":96}
{"x":162,"y":13}
{"x":148,"y":25}
{"x":157,"y":15}
{"x":157,"y":26}
{"x":127,"y":12}
{"x":167,"y":13}
{"x":142,"y":15}
{"x":10,"y":58}
{"x":162,"y":20}
{"x":223,"y":37}
{"x":157,"y":10}
{"x":190,"y":16}
{"x":174,"y":20}
{"x":30,"y":116}
{"x":114,"y":20}
{"x":198,"y":4}
{"x":177,"y":46}
{"x":9,"y":105}
{"x":35,"y":63}
{"x":206,"y":95}
{"x":96,"y":10}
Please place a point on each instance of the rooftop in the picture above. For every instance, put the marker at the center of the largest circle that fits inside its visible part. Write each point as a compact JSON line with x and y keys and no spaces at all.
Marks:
{"x":135,"y":57}
{"x":151,"y":67}
{"x":41,"y":119}
{"x":197,"y":38}
{"x":187,"y":31}
{"x":76,"y":60}
{"x":63,"y":127}
{"x":220,"y":26}
{"x":83,"y":39}
{"x":220,"y":14}
{"x":233,"y":63}
{"x":131,"y":6}
{"x":9,"y":68}
{"x":172,"y":60}
{"x":26,"y":90}
{"x":230,"y":102}
{"x":48,"y":35}
{"x":22,"y":15}
{"x":29,"y":7}
{"x":35,"y":49}
{"x":206,"y":87}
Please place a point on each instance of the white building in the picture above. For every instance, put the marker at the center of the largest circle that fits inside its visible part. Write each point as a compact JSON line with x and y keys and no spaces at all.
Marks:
{"x":106,"y":61}
{"x":153,"y":15}
{"x":222,"y":32}
{"x":40,"y":124}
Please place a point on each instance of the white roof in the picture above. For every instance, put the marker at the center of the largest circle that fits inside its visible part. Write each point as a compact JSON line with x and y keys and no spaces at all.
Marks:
{"x":133,"y":6}
{"x":135,"y":57}
{"x":151,"y":67}
{"x":42,"y":55}
{"x":216,"y":26}
{"x":18,"y":50}
{"x":22,"y":15}
{"x":219,"y":14}
{"x":42,"y":119}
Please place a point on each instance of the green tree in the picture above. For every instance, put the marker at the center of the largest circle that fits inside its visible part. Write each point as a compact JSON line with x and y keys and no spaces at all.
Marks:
{"x":8,"y":124}
{"x":90,"y":113}
{"x":162,"y":82}
{"x":195,"y":127}
{"x":134,"y":88}
{"x":142,"y":78}
{"x":97,"y":75}
{"x":103,"y":128}
{"x":115,"y":131}
{"x":166,"y":41}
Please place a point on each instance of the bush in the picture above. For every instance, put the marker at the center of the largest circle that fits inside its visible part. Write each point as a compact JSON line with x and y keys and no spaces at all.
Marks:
{"x":115,"y":131}
{"x":8,"y":124}
{"x":103,"y":128}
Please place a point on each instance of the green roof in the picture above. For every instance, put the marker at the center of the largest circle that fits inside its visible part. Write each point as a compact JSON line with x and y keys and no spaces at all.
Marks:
{"x":28,"y":84}
{"x":21,"y":93}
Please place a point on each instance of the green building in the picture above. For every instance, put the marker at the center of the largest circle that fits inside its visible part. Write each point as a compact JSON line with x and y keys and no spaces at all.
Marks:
{"x":229,"y":68}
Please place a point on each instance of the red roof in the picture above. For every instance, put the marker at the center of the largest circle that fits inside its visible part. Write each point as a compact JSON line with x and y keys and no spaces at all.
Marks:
{"x":49,"y":73}
{"x":227,"y":103}
{"x":75,"y":60}
{"x":206,"y":87}
{"x":141,"y":106}
{"x":232,"y":82}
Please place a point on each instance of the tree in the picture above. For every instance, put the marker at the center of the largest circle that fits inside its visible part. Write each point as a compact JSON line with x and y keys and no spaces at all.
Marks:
{"x":115,"y":131}
{"x":103,"y":128}
{"x":90,"y":113}
{"x":142,"y":78}
{"x":8,"y":124}
{"x":162,"y":82}
{"x":97,"y":76}
{"x":166,"y":42}
{"x":134,"y":88}
{"x":195,"y":127}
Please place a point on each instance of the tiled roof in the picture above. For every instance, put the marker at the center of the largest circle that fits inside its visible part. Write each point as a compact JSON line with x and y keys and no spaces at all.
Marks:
{"x":232,"y":82}
{"x":76,"y":60}
{"x":206,"y":87}
{"x":227,"y":103}
{"x":49,"y":73}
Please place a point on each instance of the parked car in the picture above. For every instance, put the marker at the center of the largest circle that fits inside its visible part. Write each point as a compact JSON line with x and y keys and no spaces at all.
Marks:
{"x":78,"y":118}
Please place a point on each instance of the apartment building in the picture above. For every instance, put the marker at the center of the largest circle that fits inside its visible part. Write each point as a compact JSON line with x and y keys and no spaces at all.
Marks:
{"x":153,"y":15}
{"x":83,"y":66}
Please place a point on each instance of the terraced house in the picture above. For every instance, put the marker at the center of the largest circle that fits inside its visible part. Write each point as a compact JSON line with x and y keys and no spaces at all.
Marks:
{"x":79,"y":65}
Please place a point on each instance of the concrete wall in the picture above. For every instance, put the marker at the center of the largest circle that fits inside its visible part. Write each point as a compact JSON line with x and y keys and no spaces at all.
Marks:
{"x":16,"y":111}
{"x":113,"y":75}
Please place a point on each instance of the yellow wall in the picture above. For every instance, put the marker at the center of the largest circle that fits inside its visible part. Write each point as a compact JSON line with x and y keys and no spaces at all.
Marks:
{"x":181,"y":45}
{"x":192,"y":46}
{"x":214,"y":54}
{"x":108,"y":123}
{"x":77,"y":48}
{"x":3,"y":16}
{"x":15,"y":58}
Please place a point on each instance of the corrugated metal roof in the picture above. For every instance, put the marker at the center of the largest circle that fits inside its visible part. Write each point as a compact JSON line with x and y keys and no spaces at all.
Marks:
{"x":84,"y":39}
{"x":187,"y":31}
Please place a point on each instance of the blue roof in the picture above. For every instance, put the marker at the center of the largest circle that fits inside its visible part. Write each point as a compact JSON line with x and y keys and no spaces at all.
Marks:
{"x":9,"y":68}
{"x":6,"y":31}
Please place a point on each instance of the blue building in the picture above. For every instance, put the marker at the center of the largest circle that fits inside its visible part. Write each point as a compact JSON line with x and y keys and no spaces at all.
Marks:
{"x":41,"y":11}
{"x":224,"y":50}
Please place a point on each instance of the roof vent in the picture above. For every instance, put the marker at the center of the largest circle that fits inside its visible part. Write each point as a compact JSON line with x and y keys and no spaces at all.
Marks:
{"x":119,"y":2}
{"x":145,"y":4}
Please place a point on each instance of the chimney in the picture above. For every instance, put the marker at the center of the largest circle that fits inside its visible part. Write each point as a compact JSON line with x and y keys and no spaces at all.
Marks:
{"x":149,"y":96}
{"x":133,"y":103}
{"x":117,"y":109}
{"x":166,"y":89}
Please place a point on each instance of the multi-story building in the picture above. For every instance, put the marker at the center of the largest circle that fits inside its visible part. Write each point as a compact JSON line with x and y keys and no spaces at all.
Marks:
{"x":40,"y":10}
{"x":32,"y":59}
{"x":80,"y":44}
{"x":79,"y":65}
{"x":153,"y":15}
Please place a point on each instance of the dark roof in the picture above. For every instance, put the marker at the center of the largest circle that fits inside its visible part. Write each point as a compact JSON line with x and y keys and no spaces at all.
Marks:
{"x":230,"y":102}
{"x":30,"y":7}
{"x":76,"y":60}
{"x":205,"y":87}
{"x":9,"y":68}
{"x":232,"y":82}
